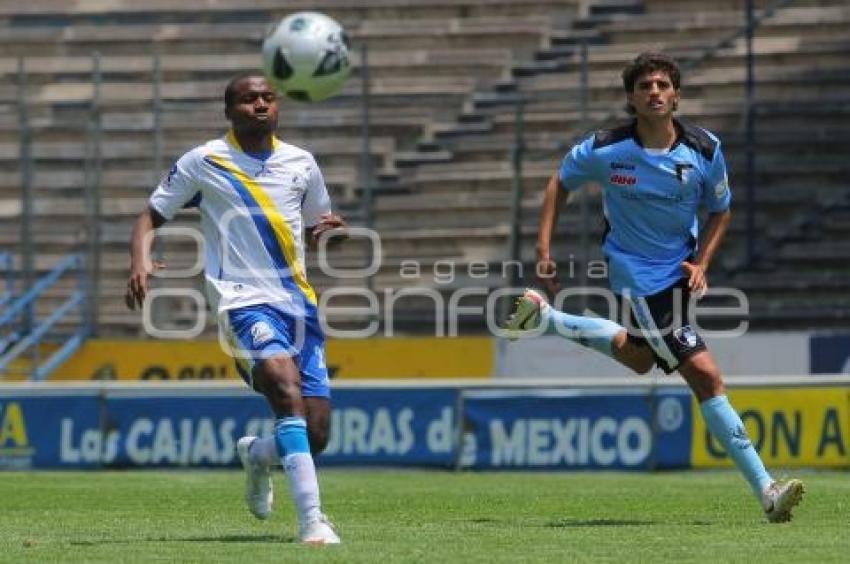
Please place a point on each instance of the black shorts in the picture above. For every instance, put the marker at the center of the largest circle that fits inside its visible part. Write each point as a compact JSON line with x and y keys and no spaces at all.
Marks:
{"x":662,"y":322}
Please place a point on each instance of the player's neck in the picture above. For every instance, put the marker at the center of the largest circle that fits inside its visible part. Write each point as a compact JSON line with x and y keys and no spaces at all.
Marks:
{"x":255,"y":143}
{"x":656,"y":133}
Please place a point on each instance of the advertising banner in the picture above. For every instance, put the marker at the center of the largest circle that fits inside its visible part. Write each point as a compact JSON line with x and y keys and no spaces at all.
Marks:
{"x":36,"y":431}
{"x":393,"y":426}
{"x":565,"y":429}
{"x":200,"y":428}
{"x":788,"y":426}
{"x":830,"y":353}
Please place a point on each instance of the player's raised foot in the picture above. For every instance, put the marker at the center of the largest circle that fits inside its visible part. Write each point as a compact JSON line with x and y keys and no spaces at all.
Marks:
{"x":258,"y":481}
{"x":318,"y":531}
{"x":526,"y":314}
{"x":779,"y":498}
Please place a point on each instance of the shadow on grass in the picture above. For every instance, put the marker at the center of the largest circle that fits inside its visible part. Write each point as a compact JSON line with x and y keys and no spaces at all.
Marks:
{"x":569,"y":523}
{"x":210,"y":539}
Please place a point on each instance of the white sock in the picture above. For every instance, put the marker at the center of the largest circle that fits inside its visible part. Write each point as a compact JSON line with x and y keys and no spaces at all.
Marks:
{"x":303,"y":484}
{"x":264,"y":451}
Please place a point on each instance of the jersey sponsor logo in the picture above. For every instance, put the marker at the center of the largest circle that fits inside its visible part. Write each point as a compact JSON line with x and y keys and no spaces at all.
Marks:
{"x":623,"y":180}
{"x":261,"y":332}
{"x":682,"y":172}
{"x":621,"y":166}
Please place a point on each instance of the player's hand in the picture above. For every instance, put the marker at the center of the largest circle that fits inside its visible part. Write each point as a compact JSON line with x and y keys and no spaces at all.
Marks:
{"x":332,"y":224}
{"x":697,"y":282}
{"x":139,"y":283}
{"x":546,"y":274}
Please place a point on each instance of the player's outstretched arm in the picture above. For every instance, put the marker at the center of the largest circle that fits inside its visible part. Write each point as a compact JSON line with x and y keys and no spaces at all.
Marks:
{"x":140,"y":266}
{"x":553,"y":200}
{"x":710,"y":239}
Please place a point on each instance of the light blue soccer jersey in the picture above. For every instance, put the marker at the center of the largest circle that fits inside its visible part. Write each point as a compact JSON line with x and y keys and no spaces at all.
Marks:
{"x":651,"y":200}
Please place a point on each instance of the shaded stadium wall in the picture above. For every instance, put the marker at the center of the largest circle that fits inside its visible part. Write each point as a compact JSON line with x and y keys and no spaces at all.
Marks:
{"x":754,"y":354}
{"x":105,"y":359}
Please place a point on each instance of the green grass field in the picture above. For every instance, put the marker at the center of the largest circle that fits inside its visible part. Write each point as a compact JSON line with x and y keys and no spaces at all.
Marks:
{"x":411,"y":516}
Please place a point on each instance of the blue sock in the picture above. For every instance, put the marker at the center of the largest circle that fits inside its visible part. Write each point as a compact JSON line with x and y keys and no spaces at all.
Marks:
{"x":594,"y":332}
{"x":727,"y":427}
{"x":294,"y":450}
{"x":290,"y":435}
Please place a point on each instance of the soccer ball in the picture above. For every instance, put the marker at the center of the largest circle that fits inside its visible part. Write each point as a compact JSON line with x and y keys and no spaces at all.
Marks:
{"x":305,"y":56}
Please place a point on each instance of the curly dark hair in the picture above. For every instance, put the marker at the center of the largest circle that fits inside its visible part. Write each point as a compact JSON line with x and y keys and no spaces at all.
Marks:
{"x":650,"y":62}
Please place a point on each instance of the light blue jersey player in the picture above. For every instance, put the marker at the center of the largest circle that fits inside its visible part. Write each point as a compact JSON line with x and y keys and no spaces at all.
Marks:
{"x":657,"y":173}
{"x":257,"y":198}
{"x":652,"y":197}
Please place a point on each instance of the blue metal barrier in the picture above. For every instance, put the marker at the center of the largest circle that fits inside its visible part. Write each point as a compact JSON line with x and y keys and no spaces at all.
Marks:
{"x":15,"y":343}
{"x":7,"y":292}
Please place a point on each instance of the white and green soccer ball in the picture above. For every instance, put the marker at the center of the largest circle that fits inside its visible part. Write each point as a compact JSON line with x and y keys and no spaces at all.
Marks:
{"x":306,"y":56}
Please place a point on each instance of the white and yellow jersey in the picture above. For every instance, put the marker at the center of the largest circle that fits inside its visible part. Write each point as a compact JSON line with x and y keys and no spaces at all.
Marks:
{"x":253,"y":212}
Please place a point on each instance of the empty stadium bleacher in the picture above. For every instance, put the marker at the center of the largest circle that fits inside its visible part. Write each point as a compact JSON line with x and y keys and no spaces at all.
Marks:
{"x":444,"y":77}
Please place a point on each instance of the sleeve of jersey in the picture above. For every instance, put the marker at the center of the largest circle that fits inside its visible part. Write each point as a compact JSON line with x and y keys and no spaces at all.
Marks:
{"x":316,"y":199}
{"x":577,"y":166}
{"x":177,"y":188}
{"x":717,"y":196}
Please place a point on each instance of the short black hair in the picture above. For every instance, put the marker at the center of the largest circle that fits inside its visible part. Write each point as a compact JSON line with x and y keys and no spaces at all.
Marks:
{"x":230,"y":89}
{"x":650,"y":61}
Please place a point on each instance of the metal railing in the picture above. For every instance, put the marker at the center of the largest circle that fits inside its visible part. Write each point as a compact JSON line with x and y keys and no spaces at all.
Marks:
{"x":18,"y":340}
{"x":7,"y":279}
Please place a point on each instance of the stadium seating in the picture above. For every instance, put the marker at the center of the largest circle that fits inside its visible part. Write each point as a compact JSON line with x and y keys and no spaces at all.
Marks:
{"x":444,"y":76}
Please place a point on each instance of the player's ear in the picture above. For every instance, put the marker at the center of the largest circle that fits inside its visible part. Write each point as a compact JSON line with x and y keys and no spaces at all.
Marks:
{"x":676,"y":99}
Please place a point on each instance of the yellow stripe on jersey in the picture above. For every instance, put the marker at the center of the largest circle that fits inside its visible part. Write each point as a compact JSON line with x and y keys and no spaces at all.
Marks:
{"x":282,"y":231}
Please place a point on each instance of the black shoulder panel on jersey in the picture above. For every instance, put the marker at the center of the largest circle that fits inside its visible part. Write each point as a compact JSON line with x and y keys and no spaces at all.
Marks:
{"x":698,"y":140}
{"x":605,"y":137}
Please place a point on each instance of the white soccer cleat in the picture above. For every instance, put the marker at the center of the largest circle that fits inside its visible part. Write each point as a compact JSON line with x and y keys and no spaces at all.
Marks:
{"x":258,"y":481}
{"x":318,"y":531}
{"x":779,"y":498}
{"x":526,"y":315}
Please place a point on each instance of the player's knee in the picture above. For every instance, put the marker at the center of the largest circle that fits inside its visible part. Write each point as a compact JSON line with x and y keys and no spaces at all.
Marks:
{"x":280,"y":383}
{"x":715,"y":381}
{"x":283,"y":389}
{"x":708,"y":383}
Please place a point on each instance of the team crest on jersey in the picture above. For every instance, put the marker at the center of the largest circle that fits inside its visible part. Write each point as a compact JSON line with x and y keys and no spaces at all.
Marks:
{"x":261,"y":332}
{"x":683,"y":170}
